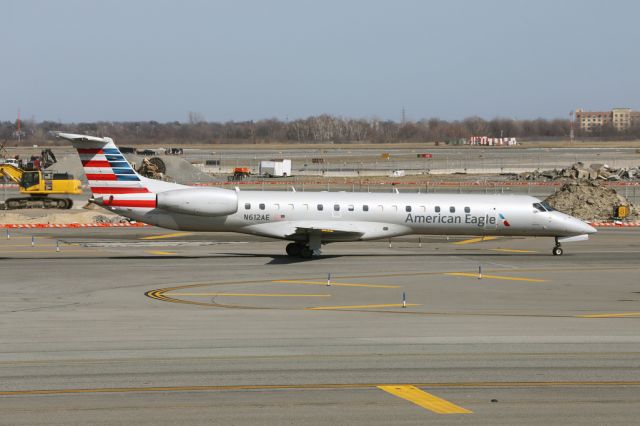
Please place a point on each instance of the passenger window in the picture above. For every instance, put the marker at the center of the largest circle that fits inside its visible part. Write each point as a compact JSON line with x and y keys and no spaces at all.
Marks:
{"x":247,"y":206}
{"x":320,"y":207}
{"x":336,"y":207}
{"x":437,"y":209}
{"x":407,"y":209}
{"x":261,"y":206}
{"x":452,"y":209}
{"x":467,"y":210}
{"x":365,"y":208}
{"x":350,"y":207}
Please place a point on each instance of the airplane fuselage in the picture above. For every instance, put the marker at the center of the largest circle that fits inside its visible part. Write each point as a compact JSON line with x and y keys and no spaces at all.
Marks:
{"x":277,"y":214}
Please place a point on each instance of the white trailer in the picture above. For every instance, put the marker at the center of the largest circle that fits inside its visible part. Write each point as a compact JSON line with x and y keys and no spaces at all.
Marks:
{"x":275,"y":168}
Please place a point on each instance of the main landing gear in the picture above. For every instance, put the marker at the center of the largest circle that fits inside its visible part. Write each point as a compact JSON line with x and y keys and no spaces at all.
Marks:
{"x":299,"y":250}
{"x":557,"y":250}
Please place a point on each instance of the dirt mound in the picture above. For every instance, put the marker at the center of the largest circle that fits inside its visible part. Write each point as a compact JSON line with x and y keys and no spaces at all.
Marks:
{"x":580,"y":171}
{"x":588,"y":200}
{"x":100,"y":216}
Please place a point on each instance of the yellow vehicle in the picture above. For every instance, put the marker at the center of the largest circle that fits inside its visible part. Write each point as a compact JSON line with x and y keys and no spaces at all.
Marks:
{"x":39,"y":185}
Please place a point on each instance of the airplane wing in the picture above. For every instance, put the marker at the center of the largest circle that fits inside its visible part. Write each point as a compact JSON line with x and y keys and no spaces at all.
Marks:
{"x":299,"y":230}
{"x":327,"y":233}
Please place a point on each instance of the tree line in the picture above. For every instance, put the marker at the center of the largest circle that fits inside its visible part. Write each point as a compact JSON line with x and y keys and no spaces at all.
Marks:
{"x":322,"y":128}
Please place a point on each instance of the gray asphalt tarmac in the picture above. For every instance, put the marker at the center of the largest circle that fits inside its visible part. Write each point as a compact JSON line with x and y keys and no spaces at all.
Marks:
{"x":149,"y":326}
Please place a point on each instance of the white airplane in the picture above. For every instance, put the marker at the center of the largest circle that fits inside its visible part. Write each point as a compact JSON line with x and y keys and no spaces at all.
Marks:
{"x":311,"y":219}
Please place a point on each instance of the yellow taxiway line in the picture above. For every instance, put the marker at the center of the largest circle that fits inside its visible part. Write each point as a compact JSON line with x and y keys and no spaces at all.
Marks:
{"x":494,"y":277}
{"x":513,"y":250}
{"x":475,"y":240}
{"x":424,"y":399}
{"x":249,"y":294}
{"x":334,"y":284}
{"x":457,"y":385}
{"x":161,"y":253}
{"x":159,"y":237}
{"x":389,"y":305}
{"x":613,"y":315}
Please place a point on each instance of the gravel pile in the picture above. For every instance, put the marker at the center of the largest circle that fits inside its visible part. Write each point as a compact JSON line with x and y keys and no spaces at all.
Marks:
{"x":588,"y":200}
{"x":580,"y":171}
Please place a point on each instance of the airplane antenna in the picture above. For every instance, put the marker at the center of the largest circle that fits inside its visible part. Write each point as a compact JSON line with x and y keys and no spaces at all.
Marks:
{"x":293,"y":188}
{"x":237,"y":188}
{"x":395,"y":190}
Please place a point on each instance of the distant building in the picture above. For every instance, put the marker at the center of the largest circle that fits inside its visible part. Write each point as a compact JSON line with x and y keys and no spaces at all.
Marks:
{"x":620,"y":119}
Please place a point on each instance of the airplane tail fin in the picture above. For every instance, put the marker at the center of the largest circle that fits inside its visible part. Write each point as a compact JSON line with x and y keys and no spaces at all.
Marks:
{"x":112,"y":180}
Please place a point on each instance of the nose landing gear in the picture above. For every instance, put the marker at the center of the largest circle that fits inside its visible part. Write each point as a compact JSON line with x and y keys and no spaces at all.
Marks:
{"x":557,"y":250}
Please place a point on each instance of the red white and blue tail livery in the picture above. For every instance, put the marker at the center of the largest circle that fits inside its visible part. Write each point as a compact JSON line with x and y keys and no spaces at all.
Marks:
{"x":311,"y":219}
{"x":112,"y":180}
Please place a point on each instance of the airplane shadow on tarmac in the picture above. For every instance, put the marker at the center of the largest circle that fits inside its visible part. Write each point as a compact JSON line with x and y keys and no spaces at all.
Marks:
{"x":281,"y":259}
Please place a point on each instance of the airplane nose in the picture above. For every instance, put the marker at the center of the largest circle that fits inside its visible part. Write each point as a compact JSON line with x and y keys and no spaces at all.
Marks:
{"x":580,"y":227}
{"x":589,"y":229}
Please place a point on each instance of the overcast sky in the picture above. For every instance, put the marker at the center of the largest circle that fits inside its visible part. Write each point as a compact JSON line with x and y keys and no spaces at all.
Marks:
{"x":247,"y":60}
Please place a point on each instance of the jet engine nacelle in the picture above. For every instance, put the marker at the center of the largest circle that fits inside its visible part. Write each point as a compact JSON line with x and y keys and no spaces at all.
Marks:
{"x":199,"y":201}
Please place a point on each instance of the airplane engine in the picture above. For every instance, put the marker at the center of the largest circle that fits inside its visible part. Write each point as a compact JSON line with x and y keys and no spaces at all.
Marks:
{"x":199,"y":201}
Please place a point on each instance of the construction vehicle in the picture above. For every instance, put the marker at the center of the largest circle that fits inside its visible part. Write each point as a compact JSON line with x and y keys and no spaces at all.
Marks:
{"x":239,"y":173}
{"x":38,"y":185}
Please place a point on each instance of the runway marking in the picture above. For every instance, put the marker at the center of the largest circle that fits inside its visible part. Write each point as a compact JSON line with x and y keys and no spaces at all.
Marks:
{"x":251,"y":294}
{"x":513,"y":250}
{"x":613,"y":315}
{"x":494,"y":385}
{"x":495,"y":277}
{"x":475,"y":240}
{"x":424,"y":399}
{"x":335,"y":284}
{"x":331,"y":308}
{"x":174,"y":234}
{"x":161,"y":253}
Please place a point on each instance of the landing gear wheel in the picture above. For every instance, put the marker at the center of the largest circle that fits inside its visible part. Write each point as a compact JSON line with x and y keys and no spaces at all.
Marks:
{"x":306,"y":252}
{"x":294,"y":249}
{"x":557,"y":251}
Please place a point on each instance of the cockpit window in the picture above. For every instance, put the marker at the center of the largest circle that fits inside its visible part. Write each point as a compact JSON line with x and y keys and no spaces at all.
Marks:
{"x":539,"y":207}
{"x":547,"y":206}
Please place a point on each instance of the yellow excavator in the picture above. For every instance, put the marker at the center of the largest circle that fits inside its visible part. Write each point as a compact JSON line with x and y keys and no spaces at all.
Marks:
{"x":38,"y":185}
